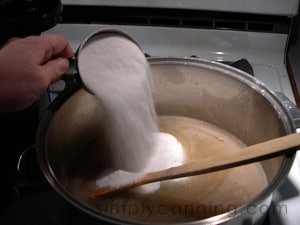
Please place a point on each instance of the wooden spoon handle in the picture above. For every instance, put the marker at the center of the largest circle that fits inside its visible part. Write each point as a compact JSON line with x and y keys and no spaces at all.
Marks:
{"x":250,"y":154}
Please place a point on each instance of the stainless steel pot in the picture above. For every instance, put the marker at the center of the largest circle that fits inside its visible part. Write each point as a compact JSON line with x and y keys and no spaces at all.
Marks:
{"x":200,"y":89}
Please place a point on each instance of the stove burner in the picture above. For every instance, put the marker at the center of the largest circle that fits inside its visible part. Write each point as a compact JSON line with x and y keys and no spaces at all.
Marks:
{"x":241,"y":64}
{"x":244,"y":65}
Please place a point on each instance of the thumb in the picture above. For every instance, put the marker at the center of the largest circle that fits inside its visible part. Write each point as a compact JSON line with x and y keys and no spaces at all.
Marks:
{"x":54,"y":68}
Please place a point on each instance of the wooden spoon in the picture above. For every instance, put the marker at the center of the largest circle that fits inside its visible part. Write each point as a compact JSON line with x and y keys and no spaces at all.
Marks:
{"x":254,"y":153}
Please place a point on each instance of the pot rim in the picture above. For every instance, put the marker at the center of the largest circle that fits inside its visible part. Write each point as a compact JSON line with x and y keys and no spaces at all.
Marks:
{"x":243,"y":77}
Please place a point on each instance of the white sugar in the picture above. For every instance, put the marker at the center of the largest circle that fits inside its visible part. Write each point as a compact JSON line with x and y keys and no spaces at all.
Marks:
{"x":117,"y":178}
{"x":166,"y":152}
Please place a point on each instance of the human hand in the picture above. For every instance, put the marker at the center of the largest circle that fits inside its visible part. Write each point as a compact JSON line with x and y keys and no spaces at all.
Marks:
{"x":28,"y":66}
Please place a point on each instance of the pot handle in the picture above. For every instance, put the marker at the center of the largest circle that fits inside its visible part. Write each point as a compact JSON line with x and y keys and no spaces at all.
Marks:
{"x":21,"y":164}
{"x":291,"y":108}
{"x":29,"y":174}
{"x":71,"y":71}
{"x":71,"y":76}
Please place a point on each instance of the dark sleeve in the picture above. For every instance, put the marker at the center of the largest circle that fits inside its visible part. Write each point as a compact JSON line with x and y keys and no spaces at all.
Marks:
{"x":20,"y":18}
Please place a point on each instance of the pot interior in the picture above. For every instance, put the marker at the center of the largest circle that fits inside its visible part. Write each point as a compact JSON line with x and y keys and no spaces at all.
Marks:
{"x":231,"y":109}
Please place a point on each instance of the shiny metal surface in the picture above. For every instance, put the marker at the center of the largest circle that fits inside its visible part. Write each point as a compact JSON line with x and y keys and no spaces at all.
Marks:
{"x":200,"y":89}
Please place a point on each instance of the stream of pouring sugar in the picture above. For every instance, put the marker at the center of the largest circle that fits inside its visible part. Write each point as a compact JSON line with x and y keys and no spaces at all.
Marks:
{"x":117,"y":72}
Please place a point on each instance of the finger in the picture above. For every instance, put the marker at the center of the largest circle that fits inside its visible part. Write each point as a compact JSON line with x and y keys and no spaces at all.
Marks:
{"x":53,"y":69}
{"x":12,"y":39}
{"x":67,"y":52}
{"x":9,"y":41}
{"x":56,"y":46}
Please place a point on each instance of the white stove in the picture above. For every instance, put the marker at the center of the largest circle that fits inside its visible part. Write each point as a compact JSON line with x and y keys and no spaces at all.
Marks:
{"x":265,"y":50}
